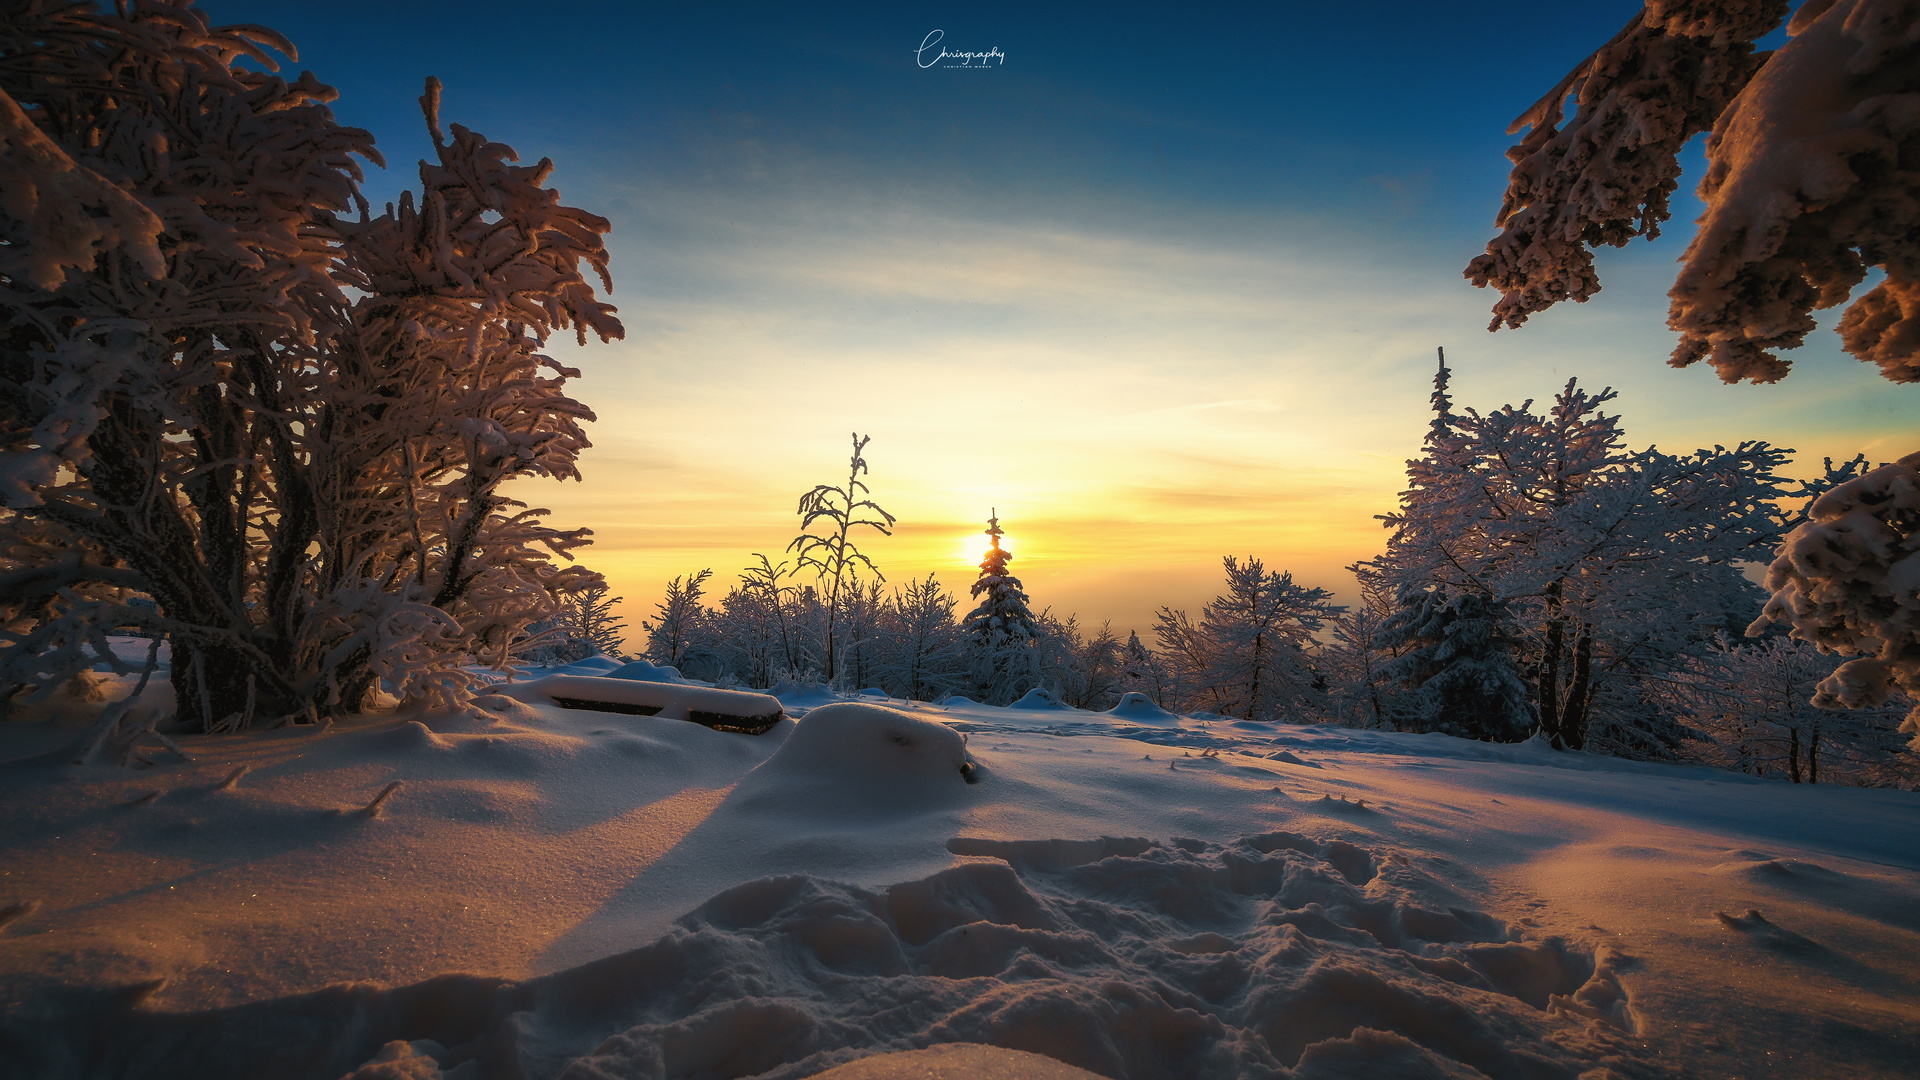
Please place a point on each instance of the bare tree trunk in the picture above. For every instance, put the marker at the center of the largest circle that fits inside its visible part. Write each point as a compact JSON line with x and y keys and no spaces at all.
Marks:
{"x":1573,"y":719}
{"x":1548,"y":682}
{"x":1793,"y":753}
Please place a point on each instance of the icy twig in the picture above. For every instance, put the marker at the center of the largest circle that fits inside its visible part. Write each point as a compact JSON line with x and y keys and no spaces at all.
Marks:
{"x":373,"y":808}
{"x":145,"y":799}
{"x":232,"y":779}
{"x":107,"y":724}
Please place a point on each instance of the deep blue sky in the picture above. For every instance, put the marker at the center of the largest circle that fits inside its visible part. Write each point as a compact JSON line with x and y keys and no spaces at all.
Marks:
{"x":1164,"y":285}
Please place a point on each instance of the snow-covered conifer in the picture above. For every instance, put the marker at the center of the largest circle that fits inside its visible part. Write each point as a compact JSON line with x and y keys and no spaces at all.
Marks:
{"x":1001,"y":631}
{"x":1456,"y":668}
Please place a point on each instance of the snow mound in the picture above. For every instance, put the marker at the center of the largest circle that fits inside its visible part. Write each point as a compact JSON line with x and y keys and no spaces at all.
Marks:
{"x":642,"y":671}
{"x":592,"y":665}
{"x":1039,"y":698}
{"x":956,"y":701}
{"x":1274,"y":956}
{"x":800,"y":696}
{"x":1140,"y":709}
{"x":854,"y":757}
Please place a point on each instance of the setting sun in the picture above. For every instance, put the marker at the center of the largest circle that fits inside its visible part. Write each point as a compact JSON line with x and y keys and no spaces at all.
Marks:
{"x":973,"y":547}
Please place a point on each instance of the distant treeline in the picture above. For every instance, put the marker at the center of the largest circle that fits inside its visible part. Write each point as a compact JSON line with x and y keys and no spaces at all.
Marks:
{"x":1539,"y":578}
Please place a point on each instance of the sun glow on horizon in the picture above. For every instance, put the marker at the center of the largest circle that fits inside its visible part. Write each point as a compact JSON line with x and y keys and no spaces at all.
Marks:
{"x":973,"y":547}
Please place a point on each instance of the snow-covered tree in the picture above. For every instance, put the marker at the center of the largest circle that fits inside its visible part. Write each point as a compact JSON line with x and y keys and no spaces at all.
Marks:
{"x":862,"y":632}
{"x":1848,"y":580}
{"x":1143,"y":672}
{"x":1356,"y":659}
{"x":1247,"y":656}
{"x":1612,"y":561}
{"x":680,"y":621}
{"x":593,"y":618}
{"x":925,"y":654}
{"x":1456,"y":668}
{"x":833,"y":556}
{"x":1808,"y":187}
{"x":1748,"y":707}
{"x":1001,"y":632}
{"x":1081,"y":670}
{"x":287,"y":428}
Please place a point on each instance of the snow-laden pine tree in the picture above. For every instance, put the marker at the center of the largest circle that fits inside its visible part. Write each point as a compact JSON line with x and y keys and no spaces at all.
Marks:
{"x":1001,"y":632}
{"x":287,"y":428}
{"x":1248,"y":655}
{"x":1611,"y":562}
{"x":1455,"y":668}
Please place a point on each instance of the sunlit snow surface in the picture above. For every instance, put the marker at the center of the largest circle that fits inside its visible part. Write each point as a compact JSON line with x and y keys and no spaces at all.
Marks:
{"x":1134,"y":893}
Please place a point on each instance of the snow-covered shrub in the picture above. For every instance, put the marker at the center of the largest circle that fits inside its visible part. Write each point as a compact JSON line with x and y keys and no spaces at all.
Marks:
{"x":287,"y":428}
{"x":924,"y":656}
{"x":1081,"y":670}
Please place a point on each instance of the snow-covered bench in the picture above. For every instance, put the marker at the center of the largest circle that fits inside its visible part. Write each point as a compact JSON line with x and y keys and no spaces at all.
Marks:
{"x":721,"y":710}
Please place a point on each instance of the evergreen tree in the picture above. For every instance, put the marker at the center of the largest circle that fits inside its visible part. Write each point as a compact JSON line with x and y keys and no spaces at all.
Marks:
{"x":1001,"y":631}
{"x":1456,"y":666}
{"x":1143,"y":672}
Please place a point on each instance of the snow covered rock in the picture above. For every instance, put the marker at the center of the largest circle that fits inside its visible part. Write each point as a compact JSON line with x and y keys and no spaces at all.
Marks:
{"x":855,"y":757}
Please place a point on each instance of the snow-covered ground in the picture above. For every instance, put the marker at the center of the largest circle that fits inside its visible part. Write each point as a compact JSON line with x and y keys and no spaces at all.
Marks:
{"x":552,"y":892}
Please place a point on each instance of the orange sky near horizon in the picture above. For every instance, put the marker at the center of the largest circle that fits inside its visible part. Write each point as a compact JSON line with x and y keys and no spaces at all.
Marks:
{"x":1134,"y":407}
